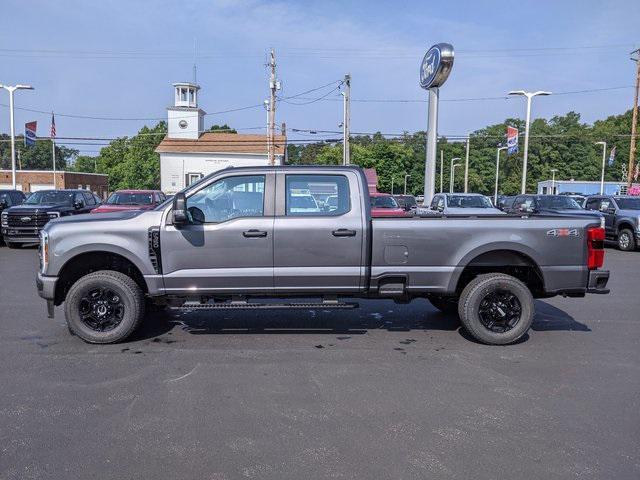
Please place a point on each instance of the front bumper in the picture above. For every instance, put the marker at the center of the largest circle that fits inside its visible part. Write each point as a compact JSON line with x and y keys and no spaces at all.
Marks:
{"x":47,"y":289}
{"x":598,"y":282}
{"x":21,"y":235}
{"x":46,"y":286}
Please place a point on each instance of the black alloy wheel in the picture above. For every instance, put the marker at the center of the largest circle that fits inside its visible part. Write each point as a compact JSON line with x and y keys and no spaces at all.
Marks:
{"x":500,"y":311}
{"x":101,"y":309}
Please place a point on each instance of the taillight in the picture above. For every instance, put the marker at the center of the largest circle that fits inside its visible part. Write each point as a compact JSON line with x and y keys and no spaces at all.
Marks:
{"x":595,"y":248}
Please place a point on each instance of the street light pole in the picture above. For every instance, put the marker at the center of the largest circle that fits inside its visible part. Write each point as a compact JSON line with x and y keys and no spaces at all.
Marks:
{"x":391,"y":184}
{"x":405,"y":183}
{"x":452,"y":168}
{"x":495,"y":194}
{"x":553,"y":181}
{"x":604,"y":155}
{"x":441,"y":168}
{"x":11,"y":89}
{"x":529,"y":96}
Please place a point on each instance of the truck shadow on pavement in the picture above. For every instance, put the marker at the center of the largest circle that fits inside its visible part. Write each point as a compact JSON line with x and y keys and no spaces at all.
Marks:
{"x":391,"y":317}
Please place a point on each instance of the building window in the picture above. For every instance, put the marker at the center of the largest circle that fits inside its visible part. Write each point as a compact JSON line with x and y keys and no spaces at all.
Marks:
{"x":192,"y":178}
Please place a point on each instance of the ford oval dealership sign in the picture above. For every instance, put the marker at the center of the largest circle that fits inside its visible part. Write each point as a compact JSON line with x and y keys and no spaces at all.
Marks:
{"x":436,"y":65}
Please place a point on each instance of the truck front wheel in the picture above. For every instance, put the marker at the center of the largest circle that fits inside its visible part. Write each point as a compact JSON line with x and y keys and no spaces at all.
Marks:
{"x":104,"y":307}
{"x":496,"y":309}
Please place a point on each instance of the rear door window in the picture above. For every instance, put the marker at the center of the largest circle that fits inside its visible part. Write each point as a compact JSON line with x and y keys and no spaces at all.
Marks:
{"x":88,"y":198}
{"x":317,"y":195}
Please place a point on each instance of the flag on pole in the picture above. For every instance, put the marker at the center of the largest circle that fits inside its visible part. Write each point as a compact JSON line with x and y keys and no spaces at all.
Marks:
{"x":30,"y":134}
{"x":53,"y":126}
{"x":512,"y":140}
{"x":612,"y":156}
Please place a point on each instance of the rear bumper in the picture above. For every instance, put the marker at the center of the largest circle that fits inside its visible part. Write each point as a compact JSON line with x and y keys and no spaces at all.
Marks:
{"x":598,"y":280}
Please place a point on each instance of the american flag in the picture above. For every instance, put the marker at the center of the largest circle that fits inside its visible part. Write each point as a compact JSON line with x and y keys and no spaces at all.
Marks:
{"x":53,"y":126}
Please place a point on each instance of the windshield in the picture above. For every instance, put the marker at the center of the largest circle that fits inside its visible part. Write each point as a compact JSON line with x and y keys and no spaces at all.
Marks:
{"x":384,"y":202}
{"x":50,"y":196}
{"x":629,"y":203}
{"x":407,"y":201}
{"x":121,"y":198}
{"x":557,"y":202}
{"x":469,"y":201}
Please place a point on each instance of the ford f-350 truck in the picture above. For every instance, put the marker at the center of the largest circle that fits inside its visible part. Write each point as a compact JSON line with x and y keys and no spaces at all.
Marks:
{"x":236,"y":238}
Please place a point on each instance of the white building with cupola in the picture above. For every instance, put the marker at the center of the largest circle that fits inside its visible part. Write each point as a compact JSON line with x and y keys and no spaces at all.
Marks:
{"x":189,"y":152}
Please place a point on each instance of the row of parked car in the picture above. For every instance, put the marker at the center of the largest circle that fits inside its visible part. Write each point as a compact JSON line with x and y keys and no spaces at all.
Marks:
{"x":621,"y":213}
{"x":22,"y":217}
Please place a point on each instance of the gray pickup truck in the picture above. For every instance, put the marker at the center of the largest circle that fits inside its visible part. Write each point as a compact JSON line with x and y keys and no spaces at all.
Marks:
{"x":240,"y":236}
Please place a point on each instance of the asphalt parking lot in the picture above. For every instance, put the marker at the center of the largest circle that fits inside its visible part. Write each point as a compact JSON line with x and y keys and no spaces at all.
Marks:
{"x":386,"y":391}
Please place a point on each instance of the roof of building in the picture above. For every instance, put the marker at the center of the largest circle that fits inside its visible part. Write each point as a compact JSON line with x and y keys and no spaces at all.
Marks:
{"x":211,"y":142}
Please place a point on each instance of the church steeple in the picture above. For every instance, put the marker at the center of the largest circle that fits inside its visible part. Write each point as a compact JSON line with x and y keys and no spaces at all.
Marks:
{"x":185,"y":119}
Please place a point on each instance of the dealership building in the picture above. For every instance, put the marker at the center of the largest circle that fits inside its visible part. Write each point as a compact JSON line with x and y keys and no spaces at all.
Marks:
{"x":34,"y":180}
{"x":187,"y":153}
{"x":551,"y":187}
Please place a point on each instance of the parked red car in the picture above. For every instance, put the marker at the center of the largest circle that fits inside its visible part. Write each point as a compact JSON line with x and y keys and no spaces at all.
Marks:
{"x":384,"y":205}
{"x":122,"y":200}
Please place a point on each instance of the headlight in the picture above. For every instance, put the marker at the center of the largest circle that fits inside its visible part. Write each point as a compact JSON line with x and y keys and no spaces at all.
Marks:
{"x":53,"y":215}
{"x":5,"y":219}
{"x":44,"y":251}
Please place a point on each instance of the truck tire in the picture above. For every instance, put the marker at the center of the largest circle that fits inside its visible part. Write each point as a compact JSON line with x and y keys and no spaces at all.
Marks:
{"x":445,"y":304}
{"x":104,"y":307}
{"x":496,"y":309}
{"x":626,"y":240}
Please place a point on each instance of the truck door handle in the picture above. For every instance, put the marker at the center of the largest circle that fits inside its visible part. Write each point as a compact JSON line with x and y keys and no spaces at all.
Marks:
{"x":343,"y":232}
{"x":254,"y":234}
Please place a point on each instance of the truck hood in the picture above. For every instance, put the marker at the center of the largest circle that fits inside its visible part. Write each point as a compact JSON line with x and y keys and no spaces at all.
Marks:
{"x":586,"y":213}
{"x":120,"y":208}
{"x":43,"y":207}
{"x":106,"y":217}
{"x":474,"y":211}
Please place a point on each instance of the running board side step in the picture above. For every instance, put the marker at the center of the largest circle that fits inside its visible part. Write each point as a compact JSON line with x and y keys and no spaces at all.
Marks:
{"x":330,"y":305}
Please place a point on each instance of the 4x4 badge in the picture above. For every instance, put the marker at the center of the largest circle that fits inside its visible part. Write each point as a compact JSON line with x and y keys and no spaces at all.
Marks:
{"x":563,"y":232}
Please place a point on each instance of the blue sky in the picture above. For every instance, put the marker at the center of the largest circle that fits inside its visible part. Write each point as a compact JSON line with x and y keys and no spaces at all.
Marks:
{"x":118,"y":59}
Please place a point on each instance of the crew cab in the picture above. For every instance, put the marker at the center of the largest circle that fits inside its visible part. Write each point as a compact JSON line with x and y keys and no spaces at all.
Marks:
{"x":621,"y":218}
{"x":22,"y":224}
{"x":237,"y":237}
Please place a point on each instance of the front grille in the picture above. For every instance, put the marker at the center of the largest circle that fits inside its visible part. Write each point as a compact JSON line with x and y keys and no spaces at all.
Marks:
{"x":27,"y":220}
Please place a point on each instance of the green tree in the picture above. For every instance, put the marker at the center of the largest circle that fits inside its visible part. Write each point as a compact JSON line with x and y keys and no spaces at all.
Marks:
{"x":36,"y":157}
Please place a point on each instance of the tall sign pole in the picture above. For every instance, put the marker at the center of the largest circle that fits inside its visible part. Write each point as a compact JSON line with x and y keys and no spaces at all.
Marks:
{"x":434,"y":71}
{"x":634,"y":122}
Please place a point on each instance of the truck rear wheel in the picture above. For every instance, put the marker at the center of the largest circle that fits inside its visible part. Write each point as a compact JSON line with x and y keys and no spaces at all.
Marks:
{"x":626,"y":240}
{"x":104,"y":307}
{"x":496,"y":309}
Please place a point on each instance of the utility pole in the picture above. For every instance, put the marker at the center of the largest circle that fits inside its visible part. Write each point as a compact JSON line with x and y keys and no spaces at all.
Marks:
{"x":634,"y":121}
{"x":346,"y":157}
{"x":19,"y":160}
{"x":441,"y":168}
{"x":274,"y":86}
{"x":466,"y":166}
